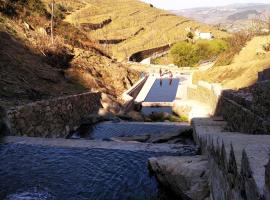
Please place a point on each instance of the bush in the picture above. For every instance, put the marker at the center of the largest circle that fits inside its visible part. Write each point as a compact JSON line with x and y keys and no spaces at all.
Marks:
{"x":187,"y":54}
{"x":184,"y":54}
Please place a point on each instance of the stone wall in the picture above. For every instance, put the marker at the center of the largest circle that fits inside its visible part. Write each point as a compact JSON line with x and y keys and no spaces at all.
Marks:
{"x":141,"y":55}
{"x":240,"y":118}
{"x":246,"y":110}
{"x":90,"y":26}
{"x":238,"y":163}
{"x":53,"y":118}
{"x":205,"y":93}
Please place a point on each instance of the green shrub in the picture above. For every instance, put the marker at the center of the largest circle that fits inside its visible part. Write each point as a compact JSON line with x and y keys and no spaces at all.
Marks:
{"x":190,"y":35}
{"x":186,"y":54}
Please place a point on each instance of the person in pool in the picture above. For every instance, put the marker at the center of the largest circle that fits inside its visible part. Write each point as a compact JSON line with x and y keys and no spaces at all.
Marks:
{"x":160,"y":72}
{"x":171,"y":77}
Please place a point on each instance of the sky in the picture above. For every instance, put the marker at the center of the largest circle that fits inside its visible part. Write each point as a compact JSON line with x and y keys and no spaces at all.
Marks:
{"x":182,"y":4}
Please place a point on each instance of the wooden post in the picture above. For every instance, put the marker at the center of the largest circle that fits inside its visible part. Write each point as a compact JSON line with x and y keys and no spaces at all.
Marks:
{"x":52,"y":16}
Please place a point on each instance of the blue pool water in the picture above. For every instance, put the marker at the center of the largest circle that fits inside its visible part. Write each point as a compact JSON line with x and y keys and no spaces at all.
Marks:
{"x":163,"y":90}
{"x":150,"y":110}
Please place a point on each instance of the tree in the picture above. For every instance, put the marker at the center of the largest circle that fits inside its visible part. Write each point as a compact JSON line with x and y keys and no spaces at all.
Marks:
{"x":190,"y":35}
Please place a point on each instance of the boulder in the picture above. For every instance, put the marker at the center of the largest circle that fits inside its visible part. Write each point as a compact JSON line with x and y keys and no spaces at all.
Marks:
{"x":110,"y":104}
{"x":187,"y":177}
{"x":135,"y":116}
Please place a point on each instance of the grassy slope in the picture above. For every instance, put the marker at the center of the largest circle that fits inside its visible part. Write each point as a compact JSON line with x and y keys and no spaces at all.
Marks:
{"x":244,"y":68}
{"x":129,"y":16}
{"x":26,"y":75}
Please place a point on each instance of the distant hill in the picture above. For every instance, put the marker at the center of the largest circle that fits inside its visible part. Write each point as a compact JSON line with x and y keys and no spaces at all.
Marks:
{"x":233,"y":17}
{"x":127,"y":26}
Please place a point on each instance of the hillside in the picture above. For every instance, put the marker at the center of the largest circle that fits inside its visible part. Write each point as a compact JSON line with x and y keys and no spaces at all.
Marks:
{"x":32,"y":68}
{"x":244,"y":69}
{"x":233,"y":17}
{"x":128,"y":26}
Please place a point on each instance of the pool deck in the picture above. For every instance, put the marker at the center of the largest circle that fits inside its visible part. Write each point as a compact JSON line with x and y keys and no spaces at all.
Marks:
{"x":146,"y":88}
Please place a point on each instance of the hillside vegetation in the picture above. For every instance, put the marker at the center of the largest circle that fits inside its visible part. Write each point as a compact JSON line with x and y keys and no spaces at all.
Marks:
{"x":244,"y":68}
{"x":185,"y":54}
{"x":133,"y":25}
{"x":32,"y":68}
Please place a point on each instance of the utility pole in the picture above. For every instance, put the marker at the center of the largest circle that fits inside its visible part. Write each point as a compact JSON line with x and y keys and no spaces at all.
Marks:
{"x":52,"y":16}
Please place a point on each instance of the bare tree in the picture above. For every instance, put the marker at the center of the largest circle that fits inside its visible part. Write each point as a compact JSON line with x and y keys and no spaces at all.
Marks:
{"x":52,"y":19}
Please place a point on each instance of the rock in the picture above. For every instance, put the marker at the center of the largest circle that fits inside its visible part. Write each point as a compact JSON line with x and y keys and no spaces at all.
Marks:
{"x":162,"y":138}
{"x":41,"y":31}
{"x":110,"y":104}
{"x":4,"y":124}
{"x":181,"y":109}
{"x":187,"y":177}
{"x":28,"y":26}
{"x":135,"y":116}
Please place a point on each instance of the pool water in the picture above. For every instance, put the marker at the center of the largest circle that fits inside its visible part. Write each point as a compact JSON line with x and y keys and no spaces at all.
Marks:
{"x":108,"y":130}
{"x":35,"y":172}
{"x":163,"y":90}
{"x":149,"y":110}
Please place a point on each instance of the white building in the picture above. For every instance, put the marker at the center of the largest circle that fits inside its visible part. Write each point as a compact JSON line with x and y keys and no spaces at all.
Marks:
{"x":203,"y":35}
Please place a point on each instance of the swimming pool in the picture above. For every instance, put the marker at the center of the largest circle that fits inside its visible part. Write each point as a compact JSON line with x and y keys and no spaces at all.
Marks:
{"x":163,"y":90}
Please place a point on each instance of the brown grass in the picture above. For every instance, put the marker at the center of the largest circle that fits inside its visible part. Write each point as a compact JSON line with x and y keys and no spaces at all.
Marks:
{"x":129,"y":16}
{"x":243,"y":71}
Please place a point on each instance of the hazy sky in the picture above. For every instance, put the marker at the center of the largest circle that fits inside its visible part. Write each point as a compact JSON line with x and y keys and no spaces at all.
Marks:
{"x":181,"y":4}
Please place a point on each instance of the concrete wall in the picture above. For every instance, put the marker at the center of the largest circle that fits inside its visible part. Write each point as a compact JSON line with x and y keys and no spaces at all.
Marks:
{"x":205,"y":93}
{"x":52,"y":118}
{"x":130,"y":95}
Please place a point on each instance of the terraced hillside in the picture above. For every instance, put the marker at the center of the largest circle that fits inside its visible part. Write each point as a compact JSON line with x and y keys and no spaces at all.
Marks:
{"x":32,"y":68}
{"x":128,"y":26}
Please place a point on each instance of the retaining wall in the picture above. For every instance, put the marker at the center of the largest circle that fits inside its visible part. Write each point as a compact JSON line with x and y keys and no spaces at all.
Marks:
{"x":205,"y":93}
{"x":53,"y":118}
{"x":130,"y":95}
{"x":247,"y":110}
{"x":141,"y":55}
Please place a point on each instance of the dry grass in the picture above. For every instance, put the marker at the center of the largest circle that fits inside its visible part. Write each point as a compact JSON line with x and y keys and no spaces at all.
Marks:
{"x":31,"y":68}
{"x":129,"y":16}
{"x":244,"y":69}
